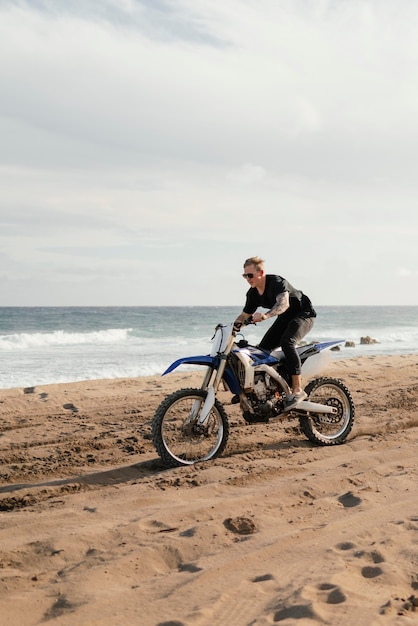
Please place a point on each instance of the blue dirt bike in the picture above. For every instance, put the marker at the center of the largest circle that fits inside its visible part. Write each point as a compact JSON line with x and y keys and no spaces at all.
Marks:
{"x":191,"y":425}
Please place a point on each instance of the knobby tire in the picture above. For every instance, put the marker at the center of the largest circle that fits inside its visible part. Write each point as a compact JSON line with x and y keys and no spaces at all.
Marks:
{"x":327,"y":429}
{"x":178,"y":438}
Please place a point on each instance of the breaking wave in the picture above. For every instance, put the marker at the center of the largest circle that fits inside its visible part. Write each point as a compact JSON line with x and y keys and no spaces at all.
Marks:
{"x":25,"y":341}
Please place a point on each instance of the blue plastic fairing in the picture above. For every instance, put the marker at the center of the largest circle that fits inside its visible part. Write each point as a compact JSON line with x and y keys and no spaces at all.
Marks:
{"x":329,"y":344}
{"x":207,"y":361}
{"x":260,"y":357}
{"x":191,"y":360}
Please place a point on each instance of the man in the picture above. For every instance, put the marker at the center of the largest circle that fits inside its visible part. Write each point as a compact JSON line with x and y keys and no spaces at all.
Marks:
{"x":293,"y":310}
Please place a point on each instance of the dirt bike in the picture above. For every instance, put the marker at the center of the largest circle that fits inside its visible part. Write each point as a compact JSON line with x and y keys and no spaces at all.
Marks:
{"x":191,"y":425}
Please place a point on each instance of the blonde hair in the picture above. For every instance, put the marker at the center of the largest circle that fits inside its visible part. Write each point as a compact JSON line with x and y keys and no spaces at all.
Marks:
{"x":257,"y":261}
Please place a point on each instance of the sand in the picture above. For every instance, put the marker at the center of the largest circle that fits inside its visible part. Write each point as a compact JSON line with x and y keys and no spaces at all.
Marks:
{"x":93,"y":529}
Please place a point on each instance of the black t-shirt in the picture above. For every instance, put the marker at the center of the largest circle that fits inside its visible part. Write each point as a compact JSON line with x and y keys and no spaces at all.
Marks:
{"x":275,"y":285}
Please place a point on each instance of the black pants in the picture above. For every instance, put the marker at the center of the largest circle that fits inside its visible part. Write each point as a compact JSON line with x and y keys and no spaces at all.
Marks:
{"x":287,"y":334}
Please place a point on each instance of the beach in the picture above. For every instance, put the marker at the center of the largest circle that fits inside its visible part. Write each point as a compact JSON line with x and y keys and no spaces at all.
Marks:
{"x":95,"y":531}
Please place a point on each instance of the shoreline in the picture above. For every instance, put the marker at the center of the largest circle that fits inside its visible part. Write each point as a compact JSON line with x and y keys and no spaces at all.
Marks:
{"x":53,"y":347}
{"x":334,"y":360}
{"x":95,"y":531}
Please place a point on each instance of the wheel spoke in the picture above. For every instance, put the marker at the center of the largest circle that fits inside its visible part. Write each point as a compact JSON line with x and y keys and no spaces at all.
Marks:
{"x":329,"y":428}
{"x":182,"y":434}
{"x":177,"y":434}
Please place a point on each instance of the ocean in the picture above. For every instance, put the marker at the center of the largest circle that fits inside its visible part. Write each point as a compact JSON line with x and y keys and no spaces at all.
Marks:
{"x":43,"y":345}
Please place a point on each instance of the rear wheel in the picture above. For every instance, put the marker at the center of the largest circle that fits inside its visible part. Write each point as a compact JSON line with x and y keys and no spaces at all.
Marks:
{"x":177,"y":435}
{"x":327,"y":429}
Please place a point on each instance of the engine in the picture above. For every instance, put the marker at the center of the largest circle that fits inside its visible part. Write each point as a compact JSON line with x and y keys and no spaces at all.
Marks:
{"x":266,"y":399}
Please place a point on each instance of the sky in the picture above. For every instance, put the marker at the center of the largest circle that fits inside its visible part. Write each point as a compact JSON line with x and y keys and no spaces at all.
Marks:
{"x":148,"y":147}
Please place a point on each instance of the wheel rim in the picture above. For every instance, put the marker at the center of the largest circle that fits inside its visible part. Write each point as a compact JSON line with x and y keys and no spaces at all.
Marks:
{"x":329,"y":425}
{"x":183,"y":438}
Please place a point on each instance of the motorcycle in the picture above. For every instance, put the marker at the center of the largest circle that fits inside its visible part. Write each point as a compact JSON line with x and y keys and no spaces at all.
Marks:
{"x":191,"y":425}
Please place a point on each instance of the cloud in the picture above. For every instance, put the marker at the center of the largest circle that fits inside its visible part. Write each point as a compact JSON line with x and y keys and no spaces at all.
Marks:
{"x":138,"y":133}
{"x":247,"y":174}
{"x":405,"y":272}
{"x":294,"y":90}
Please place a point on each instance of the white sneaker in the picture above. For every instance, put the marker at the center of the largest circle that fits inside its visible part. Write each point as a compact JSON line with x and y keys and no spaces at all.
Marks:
{"x":293,"y":400}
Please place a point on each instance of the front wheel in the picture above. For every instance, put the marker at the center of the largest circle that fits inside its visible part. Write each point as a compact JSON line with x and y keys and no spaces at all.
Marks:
{"x":327,"y":429}
{"x":177,"y":435}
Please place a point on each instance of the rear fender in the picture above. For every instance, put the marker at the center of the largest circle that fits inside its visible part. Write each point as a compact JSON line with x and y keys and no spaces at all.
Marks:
{"x":316,"y":357}
{"x":327,"y":345}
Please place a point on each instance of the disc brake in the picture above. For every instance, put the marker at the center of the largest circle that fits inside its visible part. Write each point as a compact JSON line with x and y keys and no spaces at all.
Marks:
{"x":329,"y":418}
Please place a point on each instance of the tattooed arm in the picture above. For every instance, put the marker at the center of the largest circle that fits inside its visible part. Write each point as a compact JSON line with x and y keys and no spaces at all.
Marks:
{"x":281,"y":305}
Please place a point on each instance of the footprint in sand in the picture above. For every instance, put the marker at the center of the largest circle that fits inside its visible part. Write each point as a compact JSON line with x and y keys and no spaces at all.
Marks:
{"x":60,"y":607}
{"x":412,"y":523}
{"x":190,"y":532}
{"x":330,"y":594}
{"x":70,"y":407}
{"x":189,"y":567}
{"x":263,"y":578}
{"x":376,"y":557}
{"x":349,"y":500}
{"x":371,"y":572}
{"x":347,"y":545}
{"x":299,"y":611}
{"x":240,"y":525}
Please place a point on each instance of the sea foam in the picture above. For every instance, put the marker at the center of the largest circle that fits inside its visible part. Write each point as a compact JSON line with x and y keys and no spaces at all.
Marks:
{"x":24,"y":341}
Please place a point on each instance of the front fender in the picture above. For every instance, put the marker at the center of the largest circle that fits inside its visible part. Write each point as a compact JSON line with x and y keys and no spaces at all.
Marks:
{"x":207,"y":361}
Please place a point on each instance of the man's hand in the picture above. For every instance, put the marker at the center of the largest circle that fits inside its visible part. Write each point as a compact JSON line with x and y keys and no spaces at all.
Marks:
{"x":258,"y":317}
{"x":237,"y":326}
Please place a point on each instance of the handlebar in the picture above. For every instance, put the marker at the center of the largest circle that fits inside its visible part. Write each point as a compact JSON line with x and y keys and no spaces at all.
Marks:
{"x":246,"y":322}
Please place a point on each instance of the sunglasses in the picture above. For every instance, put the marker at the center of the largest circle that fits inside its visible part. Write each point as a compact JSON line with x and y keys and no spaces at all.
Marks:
{"x":250,"y":275}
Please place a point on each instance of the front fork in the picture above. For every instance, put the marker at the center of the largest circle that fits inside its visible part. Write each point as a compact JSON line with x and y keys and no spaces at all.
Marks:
{"x":212,"y":388}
